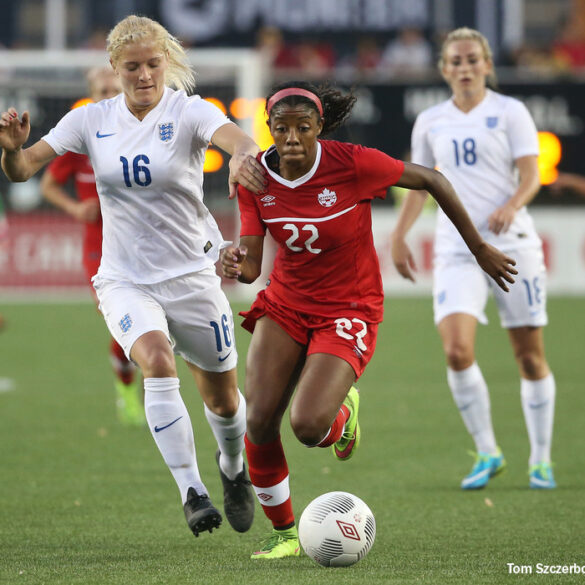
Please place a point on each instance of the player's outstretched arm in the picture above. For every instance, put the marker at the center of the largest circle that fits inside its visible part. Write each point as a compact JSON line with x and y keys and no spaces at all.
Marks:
{"x":499,"y":266}
{"x":243,"y":262}
{"x":245,"y":170}
{"x":20,"y":164}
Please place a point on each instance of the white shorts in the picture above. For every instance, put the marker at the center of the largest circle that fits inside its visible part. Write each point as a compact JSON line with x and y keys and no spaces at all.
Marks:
{"x":461,"y":286}
{"x":191,"y":310}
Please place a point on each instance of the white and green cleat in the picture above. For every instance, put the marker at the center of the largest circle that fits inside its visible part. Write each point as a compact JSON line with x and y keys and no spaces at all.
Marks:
{"x":279,"y":545}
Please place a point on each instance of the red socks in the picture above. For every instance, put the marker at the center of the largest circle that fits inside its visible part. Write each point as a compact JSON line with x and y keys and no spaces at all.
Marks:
{"x":269,"y":475}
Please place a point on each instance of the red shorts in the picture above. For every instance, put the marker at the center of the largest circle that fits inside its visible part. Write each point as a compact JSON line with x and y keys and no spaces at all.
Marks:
{"x":347,"y":336}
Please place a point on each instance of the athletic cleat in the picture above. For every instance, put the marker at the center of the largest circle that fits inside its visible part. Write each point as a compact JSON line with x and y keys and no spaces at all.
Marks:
{"x":486,"y":466}
{"x":238,"y":499}
{"x":350,"y":439}
{"x":541,"y":477}
{"x":129,"y":404}
{"x":279,"y":544}
{"x":200,"y":513}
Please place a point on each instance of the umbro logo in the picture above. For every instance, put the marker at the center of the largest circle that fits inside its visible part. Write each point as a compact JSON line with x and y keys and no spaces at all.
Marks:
{"x":98,"y":135}
{"x":268,"y":200}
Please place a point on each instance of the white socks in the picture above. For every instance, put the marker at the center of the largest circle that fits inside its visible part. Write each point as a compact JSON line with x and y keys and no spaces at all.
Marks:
{"x":538,"y":404}
{"x":229,"y":434}
{"x":171,"y":429}
{"x":472,"y":399}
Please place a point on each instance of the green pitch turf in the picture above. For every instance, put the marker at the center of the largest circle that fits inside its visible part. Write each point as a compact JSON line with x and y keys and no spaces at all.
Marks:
{"x":86,"y":501}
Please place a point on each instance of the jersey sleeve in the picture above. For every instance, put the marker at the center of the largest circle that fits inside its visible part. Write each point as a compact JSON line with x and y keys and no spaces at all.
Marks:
{"x":251,"y":222}
{"x":68,"y":134}
{"x":420,"y":149}
{"x":376,"y":171}
{"x":62,"y":168}
{"x":205,"y":118}
{"x":522,"y":133}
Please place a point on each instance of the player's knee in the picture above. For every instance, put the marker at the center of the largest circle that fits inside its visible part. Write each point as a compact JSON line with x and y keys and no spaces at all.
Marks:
{"x":158,"y":364}
{"x":532,"y":365}
{"x":260,"y":425}
{"x":222,"y":406}
{"x":458,"y":356}
{"x":309,"y":430}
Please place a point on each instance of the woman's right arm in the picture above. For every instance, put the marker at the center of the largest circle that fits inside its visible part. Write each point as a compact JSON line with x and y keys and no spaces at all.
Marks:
{"x":401,"y":255}
{"x":21,"y":164}
{"x":52,"y":190}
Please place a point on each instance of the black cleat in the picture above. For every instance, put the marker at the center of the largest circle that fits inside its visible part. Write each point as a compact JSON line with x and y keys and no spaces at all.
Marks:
{"x":200,"y":513}
{"x":238,"y":499}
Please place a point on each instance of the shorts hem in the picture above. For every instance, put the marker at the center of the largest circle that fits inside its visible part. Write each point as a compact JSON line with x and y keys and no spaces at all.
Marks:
{"x":219,"y":369}
{"x":517,"y":324}
{"x":481,"y":318}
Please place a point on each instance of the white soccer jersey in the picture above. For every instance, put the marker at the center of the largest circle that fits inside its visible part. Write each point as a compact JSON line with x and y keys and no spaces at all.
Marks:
{"x":476,"y":152}
{"x":149,"y":177}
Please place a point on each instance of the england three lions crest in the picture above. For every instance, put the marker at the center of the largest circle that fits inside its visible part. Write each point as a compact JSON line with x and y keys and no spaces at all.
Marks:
{"x":166,"y":131}
{"x":327,"y":198}
{"x":491,"y":121}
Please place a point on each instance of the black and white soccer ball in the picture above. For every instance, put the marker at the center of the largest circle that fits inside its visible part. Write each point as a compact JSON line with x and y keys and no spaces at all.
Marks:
{"x":337,"y":529}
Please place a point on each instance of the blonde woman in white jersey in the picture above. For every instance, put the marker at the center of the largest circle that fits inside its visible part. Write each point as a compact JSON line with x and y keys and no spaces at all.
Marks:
{"x":486,"y":145}
{"x":156,"y":284}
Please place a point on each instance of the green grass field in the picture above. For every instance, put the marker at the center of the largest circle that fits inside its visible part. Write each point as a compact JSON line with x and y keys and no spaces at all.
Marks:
{"x":86,"y":501}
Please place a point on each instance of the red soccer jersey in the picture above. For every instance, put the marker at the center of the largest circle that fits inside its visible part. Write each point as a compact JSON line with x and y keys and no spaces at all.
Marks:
{"x":326,"y":260}
{"x":77,"y":167}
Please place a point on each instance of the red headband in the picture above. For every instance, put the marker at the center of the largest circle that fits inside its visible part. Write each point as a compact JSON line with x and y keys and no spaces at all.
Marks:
{"x":294,"y":91}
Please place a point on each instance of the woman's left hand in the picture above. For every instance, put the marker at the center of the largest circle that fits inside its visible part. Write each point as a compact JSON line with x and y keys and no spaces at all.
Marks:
{"x":499,"y":266}
{"x":245,"y":170}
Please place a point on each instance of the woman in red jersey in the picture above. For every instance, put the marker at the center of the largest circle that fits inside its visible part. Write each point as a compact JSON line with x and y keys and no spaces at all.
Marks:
{"x":315,"y":324}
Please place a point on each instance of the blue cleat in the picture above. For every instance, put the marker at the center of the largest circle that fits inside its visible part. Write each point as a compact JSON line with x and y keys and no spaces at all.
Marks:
{"x":541,"y":477}
{"x":486,"y":466}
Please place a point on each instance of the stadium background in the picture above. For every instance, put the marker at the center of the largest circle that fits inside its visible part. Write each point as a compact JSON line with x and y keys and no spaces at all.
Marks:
{"x":49,"y":44}
{"x":87,"y":501}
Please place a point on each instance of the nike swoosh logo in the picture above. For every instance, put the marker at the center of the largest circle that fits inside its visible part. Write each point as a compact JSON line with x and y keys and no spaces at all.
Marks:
{"x":225,"y":357}
{"x":159,"y":429}
{"x":98,"y":135}
{"x":235,"y":438}
{"x":466,"y":406}
{"x":537,"y":404}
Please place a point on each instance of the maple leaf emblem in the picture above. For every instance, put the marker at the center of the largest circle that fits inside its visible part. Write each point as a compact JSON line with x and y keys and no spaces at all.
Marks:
{"x":327,"y":198}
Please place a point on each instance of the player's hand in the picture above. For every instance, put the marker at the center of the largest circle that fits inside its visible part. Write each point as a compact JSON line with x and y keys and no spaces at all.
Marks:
{"x":499,"y":266}
{"x":501,"y":219}
{"x":14,"y":131}
{"x":403,"y":259}
{"x":248,"y":172}
{"x":232,"y":259}
{"x":87,"y":211}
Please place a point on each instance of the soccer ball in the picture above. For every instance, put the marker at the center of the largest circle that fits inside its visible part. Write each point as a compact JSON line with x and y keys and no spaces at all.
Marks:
{"x":337,"y":529}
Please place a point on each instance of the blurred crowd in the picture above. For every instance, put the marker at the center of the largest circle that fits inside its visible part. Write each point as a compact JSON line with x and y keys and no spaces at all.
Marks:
{"x":411,"y":54}
{"x":408,"y":52}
